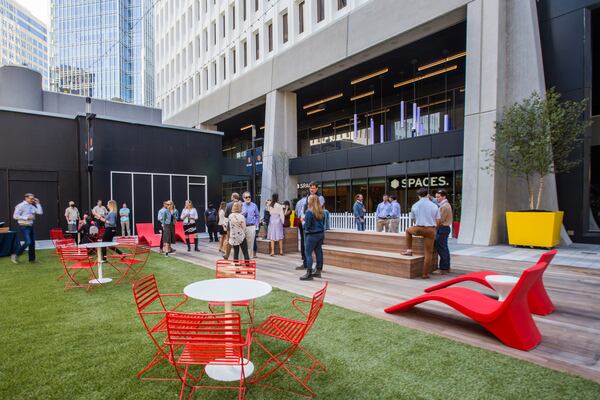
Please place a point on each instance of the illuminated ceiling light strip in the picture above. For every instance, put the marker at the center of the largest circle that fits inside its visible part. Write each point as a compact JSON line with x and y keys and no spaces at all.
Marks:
{"x":325,"y":100}
{"x":320,"y":126}
{"x":229,"y":148}
{"x":429,"y":75}
{"x":243,"y":128}
{"x":360,"y":96}
{"x":262,"y":128}
{"x":316,"y":110}
{"x":443,"y":60}
{"x":346,"y":125}
{"x":378,"y":112}
{"x":435,"y":103}
{"x":371,"y":75}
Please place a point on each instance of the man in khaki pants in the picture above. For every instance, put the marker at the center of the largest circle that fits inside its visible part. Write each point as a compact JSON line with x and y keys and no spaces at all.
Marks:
{"x":425,"y":216}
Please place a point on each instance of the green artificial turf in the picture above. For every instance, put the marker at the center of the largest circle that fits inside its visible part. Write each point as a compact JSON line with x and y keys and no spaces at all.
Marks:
{"x":78,"y":345}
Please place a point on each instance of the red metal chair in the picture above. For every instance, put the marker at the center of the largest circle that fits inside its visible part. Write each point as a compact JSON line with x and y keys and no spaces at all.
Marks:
{"x":240,"y":270}
{"x":127,"y":245}
{"x":146,"y":234}
{"x":56,"y":233}
{"x":509,"y":320}
{"x":538,"y":299}
{"x":58,"y":243}
{"x":130,"y":266}
{"x":293,"y":332}
{"x":208,"y":342}
{"x":75,"y":260}
{"x":180,"y":233}
{"x":152,"y":311}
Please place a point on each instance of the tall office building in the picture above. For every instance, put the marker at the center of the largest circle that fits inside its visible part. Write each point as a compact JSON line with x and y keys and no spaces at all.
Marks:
{"x":23,"y":39}
{"x":103,"y":49}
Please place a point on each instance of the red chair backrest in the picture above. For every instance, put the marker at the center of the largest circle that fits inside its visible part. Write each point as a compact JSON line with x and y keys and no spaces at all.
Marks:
{"x":547,"y":256}
{"x":72,"y":254}
{"x":518,"y":295}
{"x":236,"y":269}
{"x":145,"y":293}
{"x":317,"y":304}
{"x":210,"y":334}
{"x":145,"y":229}
{"x":64,"y":242}
{"x":56,"y":234}
{"x":126,"y":239}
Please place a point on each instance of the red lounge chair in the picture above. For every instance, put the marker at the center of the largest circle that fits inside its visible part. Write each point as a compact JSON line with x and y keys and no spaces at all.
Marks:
{"x":146,"y":234}
{"x":180,"y":233}
{"x":509,"y":320}
{"x":538,"y":299}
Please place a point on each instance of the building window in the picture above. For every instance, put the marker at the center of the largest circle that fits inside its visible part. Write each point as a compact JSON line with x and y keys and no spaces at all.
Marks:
{"x":214,"y":72}
{"x":245,"y":53}
{"x":233,"y":17}
{"x":342,"y":4}
{"x":214,"y":33}
{"x":301,"y":17}
{"x":223,"y":31}
{"x":284,"y":24}
{"x":244,"y":9}
{"x":256,"y":5}
{"x":233,"y":61}
{"x":256,"y":46}
{"x":270,"y":36}
{"x":320,"y":10}
{"x":205,"y":34}
{"x":224,"y":62}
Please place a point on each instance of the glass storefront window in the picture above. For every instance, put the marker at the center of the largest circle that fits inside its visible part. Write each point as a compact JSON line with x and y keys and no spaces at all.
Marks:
{"x":376,"y":192}
{"x":328,"y":192}
{"x":395,"y":187}
{"x":343,"y":203}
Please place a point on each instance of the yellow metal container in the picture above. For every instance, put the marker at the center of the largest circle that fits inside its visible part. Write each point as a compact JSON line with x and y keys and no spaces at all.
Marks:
{"x":534,"y":228}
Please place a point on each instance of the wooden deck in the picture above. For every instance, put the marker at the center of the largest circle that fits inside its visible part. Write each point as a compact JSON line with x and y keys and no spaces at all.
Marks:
{"x":571,"y":335}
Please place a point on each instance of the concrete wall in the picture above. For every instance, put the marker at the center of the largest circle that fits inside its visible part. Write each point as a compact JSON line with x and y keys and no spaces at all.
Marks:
{"x":20,"y":87}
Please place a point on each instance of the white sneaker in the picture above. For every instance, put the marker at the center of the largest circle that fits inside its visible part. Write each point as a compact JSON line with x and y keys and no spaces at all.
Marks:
{"x":14,"y":258}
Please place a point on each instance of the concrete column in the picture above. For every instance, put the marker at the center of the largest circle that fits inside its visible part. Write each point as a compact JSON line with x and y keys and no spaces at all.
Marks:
{"x":504,"y":65}
{"x":206,"y":127}
{"x":280,"y":145}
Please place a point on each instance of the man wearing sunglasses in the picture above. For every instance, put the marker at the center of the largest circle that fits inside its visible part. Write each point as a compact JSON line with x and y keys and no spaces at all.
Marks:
{"x":250,"y":212}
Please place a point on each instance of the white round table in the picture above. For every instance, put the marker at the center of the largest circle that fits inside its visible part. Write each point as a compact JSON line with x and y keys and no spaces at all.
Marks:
{"x":502,"y":284}
{"x":99,"y":245}
{"x":228,"y":291}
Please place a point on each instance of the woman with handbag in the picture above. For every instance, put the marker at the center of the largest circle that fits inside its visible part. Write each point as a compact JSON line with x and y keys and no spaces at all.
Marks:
{"x":189,"y":216}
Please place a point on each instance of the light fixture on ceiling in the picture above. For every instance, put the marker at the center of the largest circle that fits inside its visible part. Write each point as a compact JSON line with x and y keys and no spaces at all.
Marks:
{"x":360,"y":96}
{"x":320,"y":127}
{"x":435,"y":103}
{"x":325,"y":100}
{"x":262,"y":128}
{"x":314,"y":111}
{"x":369,"y":76}
{"x":229,"y":148}
{"x":429,"y":75}
{"x":243,"y":128}
{"x":378,"y":112}
{"x":443,"y":60}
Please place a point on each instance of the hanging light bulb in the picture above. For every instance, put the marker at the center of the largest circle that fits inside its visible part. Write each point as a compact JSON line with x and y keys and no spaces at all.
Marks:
{"x":446,"y":122}
{"x":372,"y":131}
{"x":381,"y":134}
{"x":402,"y":114}
{"x":355,"y":126}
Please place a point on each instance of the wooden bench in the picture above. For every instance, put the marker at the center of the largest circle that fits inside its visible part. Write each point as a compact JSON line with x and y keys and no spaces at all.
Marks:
{"x":290,"y":242}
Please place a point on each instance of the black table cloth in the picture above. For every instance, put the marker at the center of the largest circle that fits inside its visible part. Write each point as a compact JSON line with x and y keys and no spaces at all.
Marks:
{"x":9,"y":243}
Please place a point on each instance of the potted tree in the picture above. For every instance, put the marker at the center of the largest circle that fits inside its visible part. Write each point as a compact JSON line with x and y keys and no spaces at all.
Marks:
{"x":534,"y":139}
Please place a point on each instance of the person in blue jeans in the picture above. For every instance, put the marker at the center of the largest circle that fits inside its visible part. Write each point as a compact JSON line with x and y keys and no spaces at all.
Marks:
{"x":443,"y":231}
{"x":25,"y":214}
{"x":314,"y":231}
{"x":359,"y":212}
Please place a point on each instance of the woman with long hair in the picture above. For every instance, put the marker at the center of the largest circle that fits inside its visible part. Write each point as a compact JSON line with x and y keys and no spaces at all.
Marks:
{"x":237,"y":232}
{"x":110,"y":225}
{"x":275,"y":229}
{"x":314,"y":231}
{"x":174,"y":218}
{"x":222,"y":226}
{"x":189,"y":216}
{"x":287,"y":212}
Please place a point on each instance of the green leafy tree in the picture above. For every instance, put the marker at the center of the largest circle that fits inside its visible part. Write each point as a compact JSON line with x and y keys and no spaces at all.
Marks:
{"x":536,"y":138}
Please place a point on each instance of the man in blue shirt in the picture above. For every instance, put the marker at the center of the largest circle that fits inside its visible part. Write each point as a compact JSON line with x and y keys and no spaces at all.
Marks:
{"x":125,"y":224}
{"x":250,"y":212}
{"x":25,"y":214}
{"x":384,"y":214}
{"x":395,"y":214}
{"x":358,"y":209}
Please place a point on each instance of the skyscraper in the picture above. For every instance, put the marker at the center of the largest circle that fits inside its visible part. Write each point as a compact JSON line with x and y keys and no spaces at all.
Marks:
{"x":103,"y":49}
{"x":23,"y":39}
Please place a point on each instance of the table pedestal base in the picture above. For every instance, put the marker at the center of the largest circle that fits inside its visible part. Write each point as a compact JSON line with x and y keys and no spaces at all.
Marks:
{"x":100,"y":281}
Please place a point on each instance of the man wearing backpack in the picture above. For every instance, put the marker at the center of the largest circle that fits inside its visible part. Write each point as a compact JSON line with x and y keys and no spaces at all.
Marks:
{"x":210,"y":219}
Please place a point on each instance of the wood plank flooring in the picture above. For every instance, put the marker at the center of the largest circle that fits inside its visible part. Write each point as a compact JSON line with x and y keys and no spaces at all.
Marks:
{"x":571,"y":335}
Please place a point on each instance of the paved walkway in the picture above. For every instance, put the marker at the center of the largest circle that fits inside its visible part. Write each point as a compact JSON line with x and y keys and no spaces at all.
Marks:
{"x":571,"y":335}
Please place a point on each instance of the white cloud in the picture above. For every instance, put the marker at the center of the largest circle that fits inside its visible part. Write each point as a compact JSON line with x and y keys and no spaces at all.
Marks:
{"x":39,"y":8}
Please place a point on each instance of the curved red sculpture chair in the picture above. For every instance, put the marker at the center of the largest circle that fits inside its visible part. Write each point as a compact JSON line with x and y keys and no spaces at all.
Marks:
{"x":538,"y":299}
{"x":152,"y":311}
{"x":509,"y":320}
{"x":293,"y":332}
{"x":240,"y":270}
{"x":146,"y":234}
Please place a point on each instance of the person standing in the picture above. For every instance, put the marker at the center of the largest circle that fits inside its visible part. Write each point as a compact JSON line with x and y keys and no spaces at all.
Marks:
{"x":358,"y":209}
{"x":383,"y":214}
{"x":252,"y":216}
{"x":25,"y":214}
{"x":110,"y":225}
{"x":443,"y":231}
{"x":275,"y":228}
{"x":222,"y":226}
{"x":164,"y":217}
{"x":235,"y":198}
{"x":424,"y":215}
{"x":72,"y":217}
{"x":237,"y":232}
{"x":124,"y":213}
{"x":287,"y":213}
{"x":314,"y":228}
{"x":189,"y":215}
{"x":394,"y":214}
{"x":174,"y":218}
{"x":301,"y":206}
{"x":99,"y":212}
{"x":211,"y":219}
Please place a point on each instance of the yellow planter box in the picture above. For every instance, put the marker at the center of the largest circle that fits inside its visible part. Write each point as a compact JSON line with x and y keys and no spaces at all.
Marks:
{"x":534,"y":228}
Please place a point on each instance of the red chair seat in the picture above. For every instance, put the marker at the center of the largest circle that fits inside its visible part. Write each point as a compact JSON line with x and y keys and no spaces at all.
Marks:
{"x":281,"y":328}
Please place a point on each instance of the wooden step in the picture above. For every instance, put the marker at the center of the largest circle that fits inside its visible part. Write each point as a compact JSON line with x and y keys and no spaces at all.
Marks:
{"x":376,"y":261}
{"x":384,"y":241}
{"x":290,"y":242}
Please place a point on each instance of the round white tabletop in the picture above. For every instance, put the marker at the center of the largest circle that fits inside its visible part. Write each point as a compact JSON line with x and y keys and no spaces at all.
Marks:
{"x":502,"y":284}
{"x":97,"y":245}
{"x":228,"y":373}
{"x":227,"y":290}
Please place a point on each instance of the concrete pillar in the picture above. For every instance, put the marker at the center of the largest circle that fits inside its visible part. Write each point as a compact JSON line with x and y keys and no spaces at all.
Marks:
{"x":280,"y":145}
{"x":206,"y":127}
{"x":504,"y":65}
